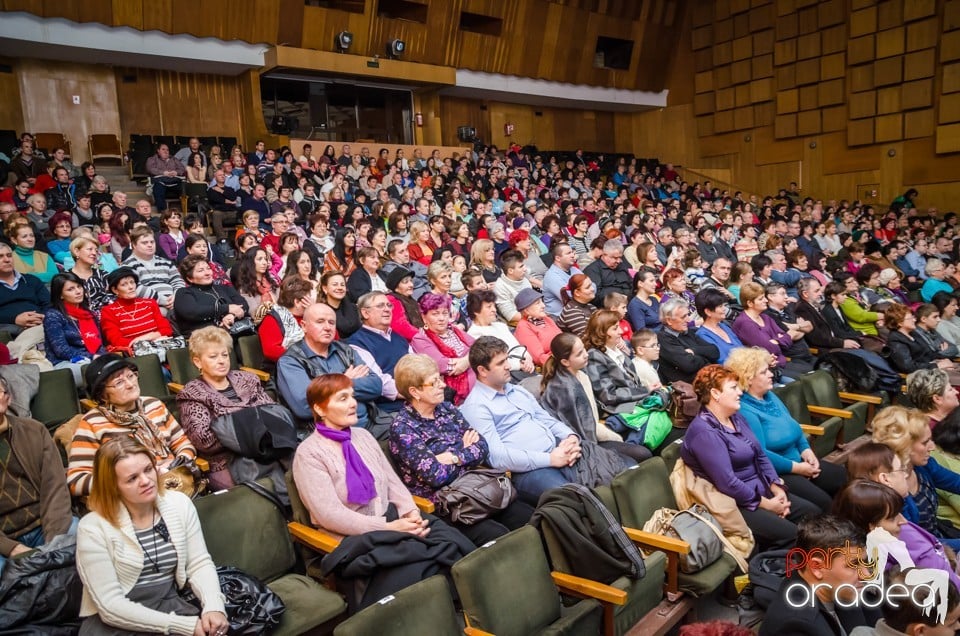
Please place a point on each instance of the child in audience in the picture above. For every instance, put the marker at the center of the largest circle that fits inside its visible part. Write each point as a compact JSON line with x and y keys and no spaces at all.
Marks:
{"x":693,"y":269}
{"x":617,"y":302}
{"x":646,"y":351}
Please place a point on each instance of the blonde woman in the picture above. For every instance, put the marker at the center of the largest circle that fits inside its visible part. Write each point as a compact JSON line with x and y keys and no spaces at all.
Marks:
{"x":419,"y":247}
{"x":483,"y":257}
{"x":907,"y":433}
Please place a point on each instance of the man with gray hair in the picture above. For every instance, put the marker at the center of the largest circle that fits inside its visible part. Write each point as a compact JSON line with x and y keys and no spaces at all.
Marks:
{"x":610,"y":273}
{"x":382,"y":345}
{"x":682,"y":354}
{"x":665,"y":244}
{"x":781,"y":274}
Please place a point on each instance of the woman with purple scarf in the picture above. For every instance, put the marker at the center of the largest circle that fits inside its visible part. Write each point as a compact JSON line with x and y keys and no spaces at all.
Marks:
{"x":342,"y":476}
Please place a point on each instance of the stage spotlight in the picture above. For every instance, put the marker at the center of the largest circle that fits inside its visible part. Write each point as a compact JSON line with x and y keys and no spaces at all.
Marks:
{"x":395,"y":48}
{"x":344,"y":40}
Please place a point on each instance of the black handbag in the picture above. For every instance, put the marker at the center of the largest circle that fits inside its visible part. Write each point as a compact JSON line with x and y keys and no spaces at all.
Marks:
{"x":475,"y":495}
{"x":252,"y":607}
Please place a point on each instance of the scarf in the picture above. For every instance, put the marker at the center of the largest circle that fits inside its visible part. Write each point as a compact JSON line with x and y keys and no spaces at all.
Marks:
{"x":459,"y":383}
{"x":265,"y":288}
{"x":142,"y":429}
{"x":360,"y":486}
{"x":89,"y":331}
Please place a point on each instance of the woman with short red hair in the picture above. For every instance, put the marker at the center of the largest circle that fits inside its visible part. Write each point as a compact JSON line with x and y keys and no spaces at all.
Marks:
{"x":720,"y":447}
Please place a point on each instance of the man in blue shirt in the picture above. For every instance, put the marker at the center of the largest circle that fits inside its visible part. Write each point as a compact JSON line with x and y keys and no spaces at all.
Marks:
{"x":318,"y":354}
{"x":558,"y":276}
{"x":521,"y":435}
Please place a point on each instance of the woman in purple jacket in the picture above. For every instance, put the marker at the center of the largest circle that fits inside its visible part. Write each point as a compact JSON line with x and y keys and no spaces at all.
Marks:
{"x":720,"y":447}
{"x":877,"y":510}
{"x":756,"y":329}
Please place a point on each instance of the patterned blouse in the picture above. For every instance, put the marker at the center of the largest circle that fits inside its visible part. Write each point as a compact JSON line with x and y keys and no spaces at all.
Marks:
{"x":415,"y":441}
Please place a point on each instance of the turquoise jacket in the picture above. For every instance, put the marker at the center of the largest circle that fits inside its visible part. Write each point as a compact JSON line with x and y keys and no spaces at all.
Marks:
{"x":779,"y":434}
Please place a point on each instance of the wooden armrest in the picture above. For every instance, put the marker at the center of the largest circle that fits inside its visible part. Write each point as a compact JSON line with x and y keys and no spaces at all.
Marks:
{"x":202,"y":464}
{"x":814,"y":350}
{"x":425,"y":505}
{"x":174,"y":387}
{"x":313,"y":538}
{"x":859,"y":397}
{"x":88,"y":404}
{"x":812,"y":430}
{"x":586,"y":587}
{"x":263,"y":376}
{"x":473,"y":631}
{"x":657,"y":541}
{"x":829,"y":412}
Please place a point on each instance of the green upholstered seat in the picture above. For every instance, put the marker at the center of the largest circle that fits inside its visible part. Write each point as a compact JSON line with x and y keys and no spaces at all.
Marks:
{"x":301,"y":515}
{"x":421,"y":609}
{"x":152,"y":381}
{"x":245,"y":530}
{"x":793,"y":397}
{"x":671,"y":453}
{"x":506,"y":589}
{"x":642,"y":490}
{"x":251,"y":352}
{"x":56,"y":399}
{"x":820,"y":388}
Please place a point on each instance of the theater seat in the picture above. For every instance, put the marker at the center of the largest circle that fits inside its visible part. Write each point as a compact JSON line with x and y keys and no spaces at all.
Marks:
{"x":507,"y":589}
{"x":245,"y":530}
{"x":820,"y":389}
{"x":423,"y":608}
{"x":643,"y":489}
{"x":793,"y":397}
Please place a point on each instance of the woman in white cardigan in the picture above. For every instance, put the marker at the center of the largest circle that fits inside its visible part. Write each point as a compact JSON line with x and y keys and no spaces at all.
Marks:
{"x":139,"y":547}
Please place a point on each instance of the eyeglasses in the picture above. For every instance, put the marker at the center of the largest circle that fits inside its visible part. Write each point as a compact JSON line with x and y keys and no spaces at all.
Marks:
{"x":651,"y":346}
{"x":436,"y":384}
{"x":381,"y":306}
{"x":127,"y":379}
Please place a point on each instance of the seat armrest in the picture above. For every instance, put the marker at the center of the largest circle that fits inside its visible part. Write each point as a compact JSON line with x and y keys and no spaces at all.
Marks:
{"x":814,"y":350}
{"x":673,"y":548}
{"x":811,"y":430}
{"x":263,"y":376}
{"x":425,"y":505}
{"x":473,"y":631}
{"x":829,"y":412}
{"x":859,"y":397}
{"x":313,"y":538}
{"x":202,"y":464}
{"x":591,"y":589}
{"x":88,"y":404}
{"x":174,"y":387}
{"x":657,"y":541}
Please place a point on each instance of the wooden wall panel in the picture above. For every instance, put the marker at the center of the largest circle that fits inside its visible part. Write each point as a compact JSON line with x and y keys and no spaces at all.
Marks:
{"x":533,"y":41}
{"x":170,"y":103}
{"x":11,"y":107}
{"x":47,"y":90}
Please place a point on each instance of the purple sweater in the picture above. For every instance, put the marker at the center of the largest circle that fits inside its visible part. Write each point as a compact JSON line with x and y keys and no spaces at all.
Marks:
{"x":733,"y":461}
{"x":752,"y":335}
{"x":925,"y":550}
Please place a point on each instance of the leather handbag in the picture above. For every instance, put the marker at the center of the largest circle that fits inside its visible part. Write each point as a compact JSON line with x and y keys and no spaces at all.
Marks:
{"x":696,"y":526}
{"x":252,"y":607}
{"x":475,"y":495}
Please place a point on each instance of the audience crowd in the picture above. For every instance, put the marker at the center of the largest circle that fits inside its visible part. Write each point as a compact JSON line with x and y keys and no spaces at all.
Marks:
{"x":428,"y":317}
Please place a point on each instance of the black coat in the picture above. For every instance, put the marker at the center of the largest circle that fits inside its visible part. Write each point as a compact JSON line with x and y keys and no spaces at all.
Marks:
{"x":823,"y":335}
{"x":838,"y":324}
{"x":676,"y":363}
{"x":609,"y":280}
{"x":359,"y":284}
{"x":592,"y":540}
{"x":782,"y":619}
{"x":376,"y":564}
{"x":909,"y":354}
{"x":197,"y":306}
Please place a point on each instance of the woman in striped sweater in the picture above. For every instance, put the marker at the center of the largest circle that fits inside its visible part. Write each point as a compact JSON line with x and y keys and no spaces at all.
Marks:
{"x":112,"y":381}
